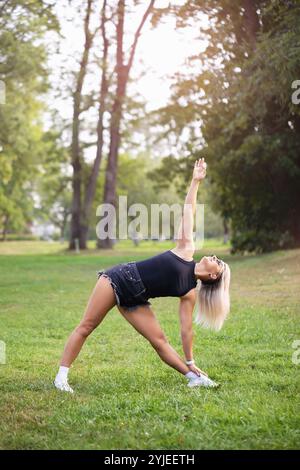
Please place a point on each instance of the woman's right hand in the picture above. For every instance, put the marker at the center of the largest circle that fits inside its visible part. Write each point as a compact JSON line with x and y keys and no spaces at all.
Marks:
{"x":199,"y":172}
{"x":196,"y":370}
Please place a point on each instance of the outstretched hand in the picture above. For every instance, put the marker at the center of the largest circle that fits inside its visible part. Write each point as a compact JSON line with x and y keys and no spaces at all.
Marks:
{"x":196,"y":370}
{"x":199,"y":172}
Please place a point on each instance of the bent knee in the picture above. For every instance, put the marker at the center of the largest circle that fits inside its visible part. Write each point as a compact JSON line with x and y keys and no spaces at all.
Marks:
{"x":159,"y":342}
{"x":85,"y":328}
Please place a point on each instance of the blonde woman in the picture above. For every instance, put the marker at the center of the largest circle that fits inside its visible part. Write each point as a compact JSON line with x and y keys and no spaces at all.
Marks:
{"x":172,"y":273}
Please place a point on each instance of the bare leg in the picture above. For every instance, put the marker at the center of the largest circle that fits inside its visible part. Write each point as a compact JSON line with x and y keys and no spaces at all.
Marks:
{"x":101,"y":301}
{"x":145,"y":322}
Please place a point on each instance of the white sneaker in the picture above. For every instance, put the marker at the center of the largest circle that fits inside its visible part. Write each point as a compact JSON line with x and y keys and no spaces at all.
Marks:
{"x":63,"y":386}
{"x":202,"y":381}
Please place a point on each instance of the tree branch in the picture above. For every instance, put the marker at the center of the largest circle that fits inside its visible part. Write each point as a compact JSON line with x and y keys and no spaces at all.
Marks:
{"x":137,"y":34}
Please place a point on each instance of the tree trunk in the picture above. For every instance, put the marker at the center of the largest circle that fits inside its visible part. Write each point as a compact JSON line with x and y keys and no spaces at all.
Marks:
{"x":5,"y":227}
{"x":63,"y":225}
{"x":111,"y":170}
{"x":76,"y":224}
{"x":116,"y":116}
{"x":251,"y":21}
{"x":226,"y":231}
{"x":92,"y":182}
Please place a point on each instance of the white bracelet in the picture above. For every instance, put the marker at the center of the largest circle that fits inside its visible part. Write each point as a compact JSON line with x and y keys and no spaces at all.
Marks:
{"x":189,"y":363}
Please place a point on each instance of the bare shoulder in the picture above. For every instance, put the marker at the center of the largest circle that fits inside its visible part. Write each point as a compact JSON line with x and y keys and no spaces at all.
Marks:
{"x":186,"y":253}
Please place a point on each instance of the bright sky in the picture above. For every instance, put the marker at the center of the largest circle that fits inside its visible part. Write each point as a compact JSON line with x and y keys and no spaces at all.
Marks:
{"x":164,"y":51}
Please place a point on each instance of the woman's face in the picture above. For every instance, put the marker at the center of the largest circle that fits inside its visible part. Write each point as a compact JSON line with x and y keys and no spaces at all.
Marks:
{"x":210,"y":267}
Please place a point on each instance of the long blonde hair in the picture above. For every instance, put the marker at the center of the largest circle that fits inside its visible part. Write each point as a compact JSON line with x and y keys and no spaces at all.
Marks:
{"x":213,"y":301}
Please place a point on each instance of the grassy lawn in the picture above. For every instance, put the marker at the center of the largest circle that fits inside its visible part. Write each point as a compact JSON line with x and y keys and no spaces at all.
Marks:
{"x":126,"y":398}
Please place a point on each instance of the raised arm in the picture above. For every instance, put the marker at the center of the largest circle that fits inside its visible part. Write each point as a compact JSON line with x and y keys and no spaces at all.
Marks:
{"x":185,"y":231}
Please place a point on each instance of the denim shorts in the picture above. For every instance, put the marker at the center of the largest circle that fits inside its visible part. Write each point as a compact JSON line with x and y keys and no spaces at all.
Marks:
{"x":127,"y":284}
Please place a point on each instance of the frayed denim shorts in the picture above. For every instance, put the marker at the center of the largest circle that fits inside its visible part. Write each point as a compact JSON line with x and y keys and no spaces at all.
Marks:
{"x":127,"y":284}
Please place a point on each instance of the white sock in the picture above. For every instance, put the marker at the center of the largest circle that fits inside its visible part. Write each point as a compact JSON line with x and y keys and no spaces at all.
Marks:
{"x":191,"y":375}
{"x":62,"y":374}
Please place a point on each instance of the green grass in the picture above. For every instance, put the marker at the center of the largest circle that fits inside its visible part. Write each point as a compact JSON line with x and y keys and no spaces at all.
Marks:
{"x":126,"y":398}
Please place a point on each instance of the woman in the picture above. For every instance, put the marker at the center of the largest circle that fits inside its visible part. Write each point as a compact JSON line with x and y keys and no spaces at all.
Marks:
{"x":171,"y":273}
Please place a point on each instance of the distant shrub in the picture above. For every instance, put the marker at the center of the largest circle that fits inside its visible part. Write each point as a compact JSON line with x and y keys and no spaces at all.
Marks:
{"x":21,"y":237}
{"x":260,"y":241}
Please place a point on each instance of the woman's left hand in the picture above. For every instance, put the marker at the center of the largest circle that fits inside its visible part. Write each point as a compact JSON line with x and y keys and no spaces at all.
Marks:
{"x":196,"y":370}
{"x":199,"y":172}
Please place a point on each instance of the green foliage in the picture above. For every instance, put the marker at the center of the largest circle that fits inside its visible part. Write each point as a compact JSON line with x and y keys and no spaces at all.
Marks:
{"x":253,"y":142}
{"x":23,"y":71}
{"x":54,"y":185}
{"x":249,"y":124}
{"x":135,"y":181}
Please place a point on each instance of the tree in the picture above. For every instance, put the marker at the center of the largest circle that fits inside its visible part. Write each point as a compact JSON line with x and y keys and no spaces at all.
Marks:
{"x":122,"y":71}
{"x":54,"y":187}
{"x":85,"y":176}
{"x":23,"y":71}
{"x":92,"y":180}
{"x":249,"y":125}
{"x":76,"y":158}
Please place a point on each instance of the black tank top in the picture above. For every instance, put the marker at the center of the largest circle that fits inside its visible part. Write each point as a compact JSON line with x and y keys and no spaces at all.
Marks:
{"x":167,"y":275}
